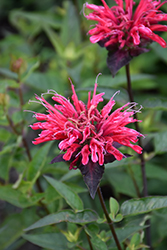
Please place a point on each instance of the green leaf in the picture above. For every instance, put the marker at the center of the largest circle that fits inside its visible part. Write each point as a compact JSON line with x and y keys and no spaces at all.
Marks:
{"x":69,"y":195}
{"x":70,"y":174}
{"x":30,"y":70}
{"x":154,"y":103}
{"x":4,"y":135}
{"x":98,"y":243}
{"x":70,"y":31}
{"x":161,"y":52}
{"x":115,"y":177}
{"x":48,"y":241}
{"x":114,"y":207}
{"x":118,"y":217}
{"x":83,"y":217}
{"x":12,"y":227}
{"x":8,"y":83}
{"x":135,"y":240}
{"x":15,"y":197}
{"x":43,"y":82}
{"x":121,"y":80}
{"x":160,"y":142}
{"x":143,"y":205}
{"x":92,"y":229}
{"x":156,"y":172}
{"x":51,"y":195}
{"x":115,"y":164}
{"x":55,"y":40}
{"x":38,"y":161}
{"x":7,"y":73}
{"x":30,"y":24}
{"x":5,"y":164}
{"x":122,"y":97}
{"x":124,"y":233}
{"x":8,"y":148}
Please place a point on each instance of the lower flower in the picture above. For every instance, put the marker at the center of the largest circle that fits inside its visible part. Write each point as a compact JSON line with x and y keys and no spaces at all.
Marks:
{"x":88,"y":137}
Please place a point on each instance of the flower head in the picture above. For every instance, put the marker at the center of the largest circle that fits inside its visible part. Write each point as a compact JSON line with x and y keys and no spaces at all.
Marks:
{"x":119,"y":25}
{"x":89,"y":138}
{"x":85,"y":134}
{"x":121,"y":29}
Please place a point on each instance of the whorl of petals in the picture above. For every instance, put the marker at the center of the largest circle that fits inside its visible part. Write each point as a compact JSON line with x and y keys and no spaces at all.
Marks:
{"x":124,"y":27}
{"x":84,"y":133}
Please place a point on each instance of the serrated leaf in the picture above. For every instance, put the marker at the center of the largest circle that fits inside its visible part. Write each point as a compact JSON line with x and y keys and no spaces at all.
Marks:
{"x":49,"y":241}
{"x":83,"y":217}
{"x":92,"y":174}
{"x":144,"y":205}
{"x":67,"y":193}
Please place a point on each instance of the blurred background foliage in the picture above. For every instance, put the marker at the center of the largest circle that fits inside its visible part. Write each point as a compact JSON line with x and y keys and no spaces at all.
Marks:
{"x":42,"y":45}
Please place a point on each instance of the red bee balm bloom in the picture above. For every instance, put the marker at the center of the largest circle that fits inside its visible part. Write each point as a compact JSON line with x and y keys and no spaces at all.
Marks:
{"x":88,"y":137}
{"x":119,"y":27}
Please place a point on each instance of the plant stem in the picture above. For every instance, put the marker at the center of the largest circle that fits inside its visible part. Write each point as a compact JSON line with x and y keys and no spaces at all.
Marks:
{"x":21,"y":96}
{"x":90,"y":243}
{"x":110,"y":223}
{"x":145,"y":191}
{"x":134,"y":182}
{"x":142,"y":161}
{"x":81,"y":247}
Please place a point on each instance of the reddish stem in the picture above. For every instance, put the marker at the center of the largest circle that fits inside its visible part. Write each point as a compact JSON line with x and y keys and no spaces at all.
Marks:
{"x":110,"y":223}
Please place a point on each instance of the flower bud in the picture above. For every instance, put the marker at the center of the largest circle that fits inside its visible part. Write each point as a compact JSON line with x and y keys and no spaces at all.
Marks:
{"x":18,"y":66}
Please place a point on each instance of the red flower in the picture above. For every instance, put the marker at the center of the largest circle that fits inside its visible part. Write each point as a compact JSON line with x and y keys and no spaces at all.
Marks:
{"x":119,"y":26}
{"x":85,"y":134}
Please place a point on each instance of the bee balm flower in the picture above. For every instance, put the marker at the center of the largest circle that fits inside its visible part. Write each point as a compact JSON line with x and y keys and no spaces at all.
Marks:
{"x":89,"y":138}
{"x":121,"y":28}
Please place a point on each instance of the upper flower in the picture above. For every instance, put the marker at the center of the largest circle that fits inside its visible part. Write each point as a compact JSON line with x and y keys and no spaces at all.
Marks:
{"x":120,"y":26}
{"x":85,"y":134}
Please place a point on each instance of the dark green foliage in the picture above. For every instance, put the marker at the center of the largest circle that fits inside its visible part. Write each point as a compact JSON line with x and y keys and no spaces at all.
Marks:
{"x":50,"y":37}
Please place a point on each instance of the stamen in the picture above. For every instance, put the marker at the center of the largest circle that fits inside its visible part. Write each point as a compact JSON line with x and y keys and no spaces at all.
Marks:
{"x":97,"y":77}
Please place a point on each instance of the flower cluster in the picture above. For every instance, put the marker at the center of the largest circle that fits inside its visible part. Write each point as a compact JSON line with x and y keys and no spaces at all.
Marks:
{"x":85,"y":134}
{"x":125,"y":28}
